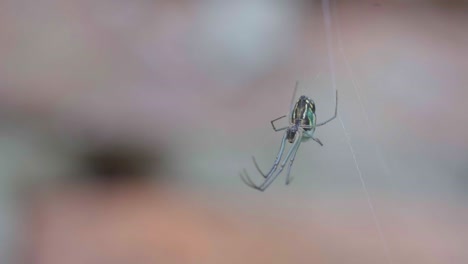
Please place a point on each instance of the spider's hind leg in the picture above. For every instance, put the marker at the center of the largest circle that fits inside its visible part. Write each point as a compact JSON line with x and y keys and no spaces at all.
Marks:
{"x":288,"y":175}
{"x":246,"y":179}
{"x":310,"y":134}
{"x":317,"y":140}
{"x":258,"y":168}
{"x":277,"y":160}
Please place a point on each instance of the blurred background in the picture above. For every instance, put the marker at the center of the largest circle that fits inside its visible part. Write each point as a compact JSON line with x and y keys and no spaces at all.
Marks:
{"x":124,"y":126}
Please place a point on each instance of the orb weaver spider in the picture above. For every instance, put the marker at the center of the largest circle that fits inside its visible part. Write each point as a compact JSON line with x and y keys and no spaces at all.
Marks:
{"x":302,"y":124}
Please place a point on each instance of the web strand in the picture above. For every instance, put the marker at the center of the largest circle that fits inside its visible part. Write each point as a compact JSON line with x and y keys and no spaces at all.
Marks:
{"x":331,"y":61}
{"x":357,"y":91}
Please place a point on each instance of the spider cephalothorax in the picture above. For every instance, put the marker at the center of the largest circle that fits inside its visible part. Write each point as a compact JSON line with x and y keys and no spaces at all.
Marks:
{"x":291,"y":133}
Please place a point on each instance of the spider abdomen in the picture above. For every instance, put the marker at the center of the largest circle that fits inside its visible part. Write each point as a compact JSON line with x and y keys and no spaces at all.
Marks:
{"x":303,"y":114}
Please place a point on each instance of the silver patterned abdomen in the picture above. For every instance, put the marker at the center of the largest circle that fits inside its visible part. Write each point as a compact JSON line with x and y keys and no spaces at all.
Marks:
{"x":303,"y":115}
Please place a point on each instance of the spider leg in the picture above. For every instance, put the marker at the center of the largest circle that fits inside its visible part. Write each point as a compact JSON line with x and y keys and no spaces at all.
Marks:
{"x":291,"y":106}
{"x":317,"y":140}
{"x":336,"y":112}
{"x":272,"y":177}
{"x":273,"y":125}
{"x":259,"y":170}
{"x":310,"y":134}
{"x":245,"y":176}
{"x":288,"y":177}
{"x":246,"y":179}
{"x":277,"y":160}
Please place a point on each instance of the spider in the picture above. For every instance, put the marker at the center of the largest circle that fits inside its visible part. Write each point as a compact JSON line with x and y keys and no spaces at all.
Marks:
{"x":302,"y":124}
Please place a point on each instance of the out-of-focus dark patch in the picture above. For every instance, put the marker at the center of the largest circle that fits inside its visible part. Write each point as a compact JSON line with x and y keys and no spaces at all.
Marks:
{"x":117,"y":163}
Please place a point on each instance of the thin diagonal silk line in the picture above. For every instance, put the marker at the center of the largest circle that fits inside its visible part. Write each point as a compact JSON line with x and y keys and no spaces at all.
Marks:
{"x":357,"y":91}
{"x":368,"y":197}
{"x":327,"y":22}
{"x":363,"y":108}
{"x":369,"y":126}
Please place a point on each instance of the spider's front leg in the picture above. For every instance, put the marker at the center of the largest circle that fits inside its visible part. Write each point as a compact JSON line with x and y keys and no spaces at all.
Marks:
{"x":273,"y":173}
{"x":288,"y":177}
{"x":277,"y":160}
{"x":310,"y":134}
{"x":245,"y":176}
{"x":293,"y":149}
